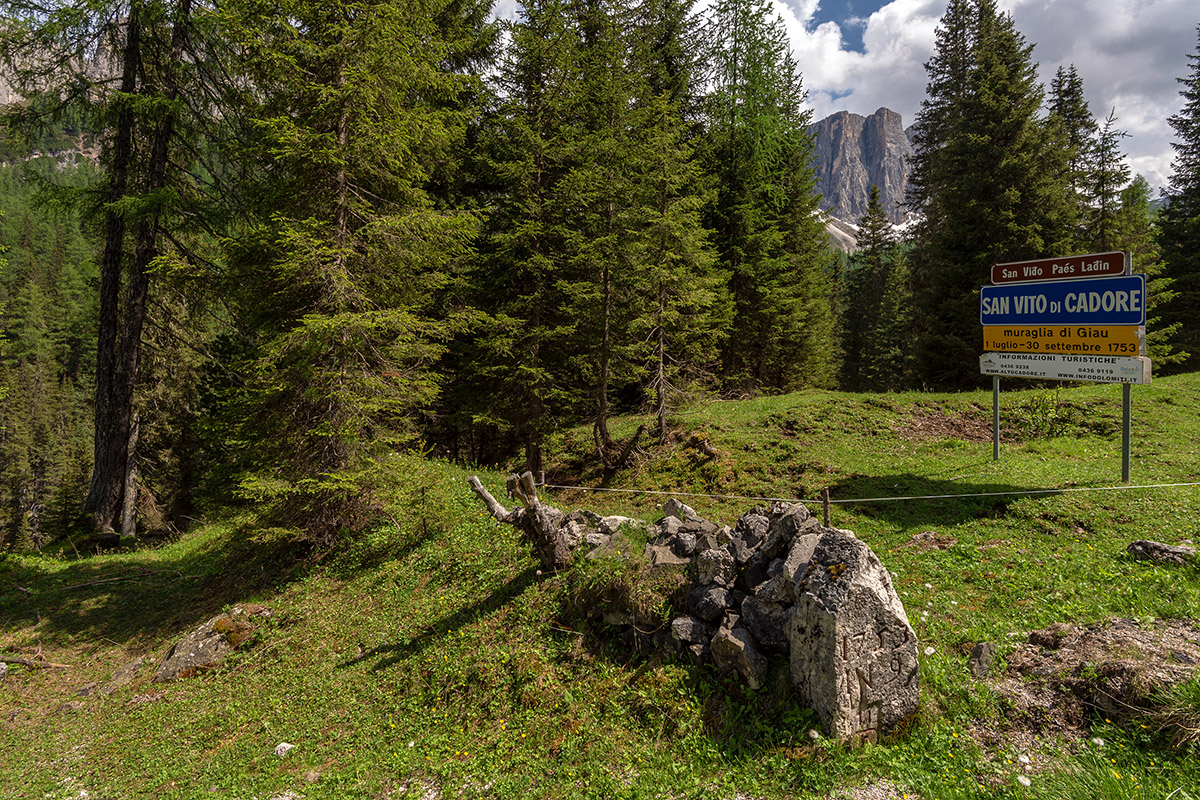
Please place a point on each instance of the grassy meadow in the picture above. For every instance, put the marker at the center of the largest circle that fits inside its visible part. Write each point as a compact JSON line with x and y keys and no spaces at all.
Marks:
{"x":428,"y":658}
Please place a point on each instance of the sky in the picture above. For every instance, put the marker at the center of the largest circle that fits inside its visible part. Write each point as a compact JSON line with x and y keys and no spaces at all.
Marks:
{"x":861,"y":55}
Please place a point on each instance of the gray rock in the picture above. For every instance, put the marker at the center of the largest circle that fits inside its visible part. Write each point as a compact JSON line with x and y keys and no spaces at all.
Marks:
{"x":754,"y":571}
{"x":87,"y":690}
{"x":716,"y":566}
{"x":684,"y":544}
{"x":283,"y":748}
{"x":709,"y":602}
{"x":688,"y":630}
{"x":668,"y":527}
{"x":982,"y":656}
{"x":733,"y":650}
{"x":853,"y":652}
{"x":674,"y":508}
{"x":1160,"y":553}
{"x":596,"y":539}
{"x":660,"y":555}
{"x":204,"y":647}
{"x":123,"y":676}
{"x":575,"y":529}
{"x":752,"y":528}
{"x":3,"y":670}
{"x":852,"y":153}
{"x":767,"y":622}
{"x":611,"y":525}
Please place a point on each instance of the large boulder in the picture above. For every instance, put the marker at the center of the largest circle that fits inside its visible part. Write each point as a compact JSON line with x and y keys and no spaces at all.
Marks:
{"x":853,"y":652}
{"x":209,"y":644}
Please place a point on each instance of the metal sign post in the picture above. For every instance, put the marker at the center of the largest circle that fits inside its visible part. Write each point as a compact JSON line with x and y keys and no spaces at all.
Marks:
{"x":1070,"y":318}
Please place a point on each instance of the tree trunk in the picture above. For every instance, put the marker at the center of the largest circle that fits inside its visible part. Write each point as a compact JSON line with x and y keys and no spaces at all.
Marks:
{"x":112,"y":433}
{"x":120,"y":334}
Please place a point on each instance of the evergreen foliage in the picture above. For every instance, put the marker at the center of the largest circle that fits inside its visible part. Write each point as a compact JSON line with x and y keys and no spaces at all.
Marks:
{"x":876,"y":306}
{"x":1180,"y":220}
{"x":343,"y":249}
{"x":764,"y":217}
{"x":1074,"y":127}
{"x":992,"y":189}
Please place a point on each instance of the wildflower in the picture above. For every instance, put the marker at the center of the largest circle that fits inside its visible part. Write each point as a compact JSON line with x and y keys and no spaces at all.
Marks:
{"x":929,"y":586}
{"x":1098,"y":741}
{"x":1024,"y":759}
{"x":1024,"y":780}
{"x":929,"y":650}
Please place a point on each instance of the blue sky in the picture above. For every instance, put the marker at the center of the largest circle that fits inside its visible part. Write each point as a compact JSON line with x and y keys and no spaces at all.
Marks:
{"x":861,"y":55}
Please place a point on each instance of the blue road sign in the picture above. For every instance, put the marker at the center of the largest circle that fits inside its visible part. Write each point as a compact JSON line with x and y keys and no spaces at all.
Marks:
{"x":1089,"y":301}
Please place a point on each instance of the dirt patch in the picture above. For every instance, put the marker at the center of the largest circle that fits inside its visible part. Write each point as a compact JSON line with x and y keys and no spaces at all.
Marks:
{"x":1116,"y":669}
{"x":929,"y":424}
{"x":930,"y":540}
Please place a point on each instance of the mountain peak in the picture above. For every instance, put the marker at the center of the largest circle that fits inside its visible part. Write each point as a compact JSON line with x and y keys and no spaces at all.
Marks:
{"x":852,"y":153}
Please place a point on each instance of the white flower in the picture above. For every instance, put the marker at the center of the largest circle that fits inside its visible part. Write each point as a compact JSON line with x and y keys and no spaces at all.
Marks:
{"x":929,"y":586}
{"x":814,"y":734}
{"x":1098,"y":742}
{"x":1024,"y":780}
{"x":1024,"y":759}
{"x":929,"y":651}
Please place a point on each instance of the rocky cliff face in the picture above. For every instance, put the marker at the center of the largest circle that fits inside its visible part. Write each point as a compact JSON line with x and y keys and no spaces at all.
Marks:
{"x":853,"y":153}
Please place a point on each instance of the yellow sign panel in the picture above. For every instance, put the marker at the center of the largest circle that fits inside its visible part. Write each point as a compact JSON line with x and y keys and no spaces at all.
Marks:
{"x":1101,"y":340}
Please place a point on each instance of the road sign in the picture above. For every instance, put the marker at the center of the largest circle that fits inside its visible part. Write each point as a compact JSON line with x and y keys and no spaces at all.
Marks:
{"x":1093,"y":265}
{"x":1108,"y":340}
{"x":1097,"y":369}
{"x":1091,"y":301}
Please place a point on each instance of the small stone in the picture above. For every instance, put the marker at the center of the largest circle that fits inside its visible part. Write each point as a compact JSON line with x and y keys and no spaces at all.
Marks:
{"x":283,"y":748}
{"x":1160,"y":553}
{"x":3,"y":670}
{"x":717,"y":566}
{"x":980,"y":662}
{"x":709,"y":602}
{"x":734,"y":651}
{"x":674,"y":508}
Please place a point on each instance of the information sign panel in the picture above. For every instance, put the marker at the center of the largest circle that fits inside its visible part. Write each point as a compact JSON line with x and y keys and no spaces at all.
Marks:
{"x":1097,"y":369}
{"x":1091,"y":301}
{"x":1108,"y":340}
{"x":1092,"y":265}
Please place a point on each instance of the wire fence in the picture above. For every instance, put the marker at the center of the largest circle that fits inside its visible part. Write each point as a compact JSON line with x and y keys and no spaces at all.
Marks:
{"x":897,"y":498}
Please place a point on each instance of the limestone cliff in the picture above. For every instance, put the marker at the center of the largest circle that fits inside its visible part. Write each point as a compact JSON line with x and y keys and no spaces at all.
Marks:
{"x":853,"y":153}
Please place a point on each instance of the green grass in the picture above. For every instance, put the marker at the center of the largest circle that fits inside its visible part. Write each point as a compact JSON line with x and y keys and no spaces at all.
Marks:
{"x":431,"y":653}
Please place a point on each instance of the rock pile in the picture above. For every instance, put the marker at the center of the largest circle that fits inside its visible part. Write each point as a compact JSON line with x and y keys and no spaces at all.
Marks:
{"x":778,"y":583}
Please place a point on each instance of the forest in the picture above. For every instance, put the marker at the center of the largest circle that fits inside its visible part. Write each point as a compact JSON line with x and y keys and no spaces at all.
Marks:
{"x":251,"y":249}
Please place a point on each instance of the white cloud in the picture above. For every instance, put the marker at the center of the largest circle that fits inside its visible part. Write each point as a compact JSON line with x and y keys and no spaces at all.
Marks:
{"x":1128,"y":52}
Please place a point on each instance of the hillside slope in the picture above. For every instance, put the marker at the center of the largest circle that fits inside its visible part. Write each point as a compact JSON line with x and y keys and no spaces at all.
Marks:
{"x":430,"y":659}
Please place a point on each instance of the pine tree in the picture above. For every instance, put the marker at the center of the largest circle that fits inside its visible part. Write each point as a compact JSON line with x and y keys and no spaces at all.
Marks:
{"x":345,"y":250}
{"x":1180,"y":220}
{"x":764,"y":215}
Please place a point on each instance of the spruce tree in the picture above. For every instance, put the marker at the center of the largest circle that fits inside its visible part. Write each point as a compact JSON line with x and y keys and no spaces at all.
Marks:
{"x":991,"y":191}
{"x":1103,"y":184}
{"x":874,"y":334}
{"x":1180,"y":220}
{"x":1075,"y":130}
{"x":764,"y":216}
{"x":338,"y":267}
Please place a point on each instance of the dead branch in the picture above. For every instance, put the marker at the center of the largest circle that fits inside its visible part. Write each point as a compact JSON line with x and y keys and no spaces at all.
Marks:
{"x":25,"y":662}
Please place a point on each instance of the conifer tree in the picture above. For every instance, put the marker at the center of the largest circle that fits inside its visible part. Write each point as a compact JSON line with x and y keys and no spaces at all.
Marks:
{"x":1180,"y":220}
{"x":1074,"y":128}
{"x":1134,"y":229}
{"x":1103,"y":184}
{"x":764,"y":214}
{"x":991,"y":191}
{"x":345,"y":248}
{"x":876,"y":320}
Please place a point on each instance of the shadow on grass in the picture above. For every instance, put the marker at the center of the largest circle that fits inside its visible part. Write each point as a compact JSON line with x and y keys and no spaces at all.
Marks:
{"x":136,"y":600}
{"x":388,"y":655}
{"x":911,"y":500}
